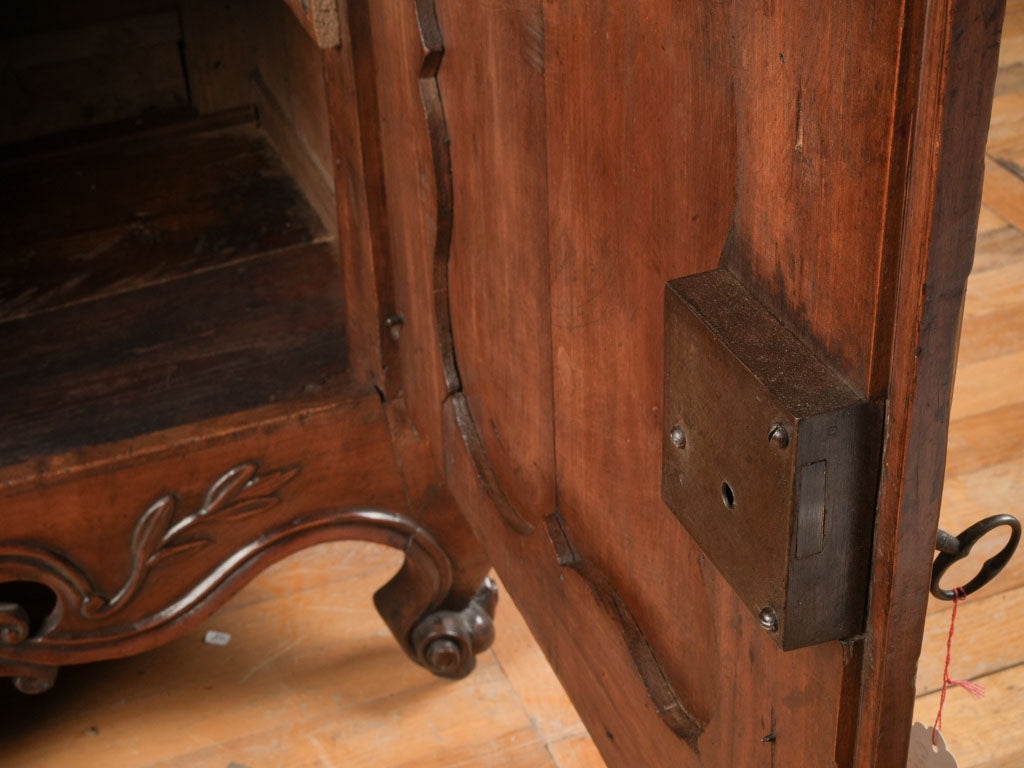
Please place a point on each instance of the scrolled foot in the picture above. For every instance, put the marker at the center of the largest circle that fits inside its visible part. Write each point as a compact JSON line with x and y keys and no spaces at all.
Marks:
{"x":29,"y":678}
{"x":447,"y":642}
{"x":38,"y":682}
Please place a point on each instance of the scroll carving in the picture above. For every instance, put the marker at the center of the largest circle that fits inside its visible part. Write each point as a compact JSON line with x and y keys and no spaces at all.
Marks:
{"x":668,"y":705}
{"x":87,"y":625}
{"x":437,"y":128}
{"x":446,"y":642}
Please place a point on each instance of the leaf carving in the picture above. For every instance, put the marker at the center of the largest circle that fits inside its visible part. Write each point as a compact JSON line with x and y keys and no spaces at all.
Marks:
{"x":227,"y":486}
{"x":152,"y":526}
{"x":236,"y":495}
{"x":173,"y":550}
{"x":236,"y":500}
{"x":247,"y":507}
{"x":272,"y":481}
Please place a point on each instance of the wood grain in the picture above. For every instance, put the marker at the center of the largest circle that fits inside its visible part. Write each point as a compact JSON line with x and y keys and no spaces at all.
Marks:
{"x":982,"y":733}
{"x":248,"y":335}
{"x":617,"y":172}
{"x":944,"y":189}
{"x":123,"y":229}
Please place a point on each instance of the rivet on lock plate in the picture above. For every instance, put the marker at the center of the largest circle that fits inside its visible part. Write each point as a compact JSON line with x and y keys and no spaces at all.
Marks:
{"x":770,"y":461}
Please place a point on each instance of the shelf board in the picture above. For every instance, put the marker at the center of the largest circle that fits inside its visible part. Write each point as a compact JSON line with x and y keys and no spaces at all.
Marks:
{"x":158,"y":281}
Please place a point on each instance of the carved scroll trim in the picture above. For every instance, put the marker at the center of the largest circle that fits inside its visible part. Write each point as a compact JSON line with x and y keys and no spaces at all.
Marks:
{"x":669,"y":707}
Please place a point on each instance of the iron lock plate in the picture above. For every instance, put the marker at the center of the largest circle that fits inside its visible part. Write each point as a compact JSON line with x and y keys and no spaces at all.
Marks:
{"x":770,"y":460}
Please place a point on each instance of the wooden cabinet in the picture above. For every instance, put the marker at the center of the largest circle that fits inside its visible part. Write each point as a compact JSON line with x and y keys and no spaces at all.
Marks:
{"x":409,"y":283}
{"x":182,"y":405}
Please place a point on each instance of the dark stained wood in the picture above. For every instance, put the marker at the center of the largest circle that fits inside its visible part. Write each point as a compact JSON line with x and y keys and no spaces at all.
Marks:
{"x":66,"y":67}
{"x":376,"y":325}
{"x":23,"y":19}
{"x":142,"y":210}
{"x":289,"y":68}
{"x":407,"y":186}
{"x":223,"y":340}
{"x":954,"y":56}
{"x":319,"y":18}
{"x":515,"y":183}
{"x":140,"y":546}
{"x":256,"y":51}
{"x":177,"y":391}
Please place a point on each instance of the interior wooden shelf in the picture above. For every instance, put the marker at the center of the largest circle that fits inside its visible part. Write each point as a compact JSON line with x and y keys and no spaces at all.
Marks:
{"x":156,"y":279}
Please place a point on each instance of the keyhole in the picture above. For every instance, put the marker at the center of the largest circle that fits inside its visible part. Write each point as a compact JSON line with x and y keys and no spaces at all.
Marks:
{"x":728,"y":497}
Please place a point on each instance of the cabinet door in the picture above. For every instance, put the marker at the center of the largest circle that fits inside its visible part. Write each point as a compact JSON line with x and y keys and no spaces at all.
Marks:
{"x":526,"y":176}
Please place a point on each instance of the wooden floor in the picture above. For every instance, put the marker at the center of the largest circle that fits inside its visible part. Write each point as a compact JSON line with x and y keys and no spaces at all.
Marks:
{"x":311,"y":676}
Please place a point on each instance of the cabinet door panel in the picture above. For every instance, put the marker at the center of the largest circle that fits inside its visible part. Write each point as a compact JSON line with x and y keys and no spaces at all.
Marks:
{"x":548,"y":166}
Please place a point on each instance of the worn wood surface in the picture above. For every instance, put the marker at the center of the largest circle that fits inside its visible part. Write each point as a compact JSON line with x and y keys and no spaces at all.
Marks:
{"x":179,"y":408}
{"x":985,"y":470}
{"x":181,"y":201}
{"x":955,"y":81}
{"x":762,"y":183}
{"x":319,"y":18}
{"x":235,"y":305}
{"x":248,"y":335}
{"x":241,"y":52}
{"x":66,"y":68}
{"x":213,"y":701}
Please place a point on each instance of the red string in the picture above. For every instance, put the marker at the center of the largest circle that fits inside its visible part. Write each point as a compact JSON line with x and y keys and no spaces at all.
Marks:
{"x":975,"y":689}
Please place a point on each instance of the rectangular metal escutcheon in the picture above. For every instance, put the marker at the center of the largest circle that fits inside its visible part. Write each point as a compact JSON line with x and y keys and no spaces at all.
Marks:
{"x":770,"y":460}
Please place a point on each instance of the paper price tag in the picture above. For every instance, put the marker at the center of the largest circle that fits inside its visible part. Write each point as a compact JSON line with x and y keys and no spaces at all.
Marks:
{"x":923,"y":754}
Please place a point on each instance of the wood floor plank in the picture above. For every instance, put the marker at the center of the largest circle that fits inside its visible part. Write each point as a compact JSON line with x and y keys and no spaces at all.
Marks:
{"x":986,"y":732}
{"x":576,"y":752}
{"x":971,"y":496}
{"x":989,"y":637}
{"x":989,"y":220}
{"x":336,"y":563}
{"x":988,"y":385}
{"x":316,"y":656}
{"x":996,"y":290}
{"x":532,"y":678}
{"x":1005,"y":130}
{"x":983,"y":337}
{"x":998,"y":248}
{"x":1002,"y":193}
{"x":517,"y":749}
{"x":1010,"y":78}
{"x":985,"y":440}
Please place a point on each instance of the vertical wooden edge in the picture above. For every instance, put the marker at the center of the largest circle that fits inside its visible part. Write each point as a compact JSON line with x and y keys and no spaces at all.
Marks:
{"x":953,"y":63}
{"x":349,"y":78}
{"x":320,"y":19}
{"x":315,"y":181}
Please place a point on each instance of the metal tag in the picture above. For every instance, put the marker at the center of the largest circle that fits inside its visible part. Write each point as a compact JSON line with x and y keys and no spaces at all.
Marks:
{"x":770,"y":460}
